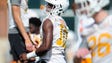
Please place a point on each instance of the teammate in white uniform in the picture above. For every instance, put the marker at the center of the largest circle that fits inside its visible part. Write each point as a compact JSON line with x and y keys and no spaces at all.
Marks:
{"x":98,"y":38}
{"x":34,"y":26}
{"x":82,"y":28}
{"x":53,"y":33}
{"x":84,"y":23}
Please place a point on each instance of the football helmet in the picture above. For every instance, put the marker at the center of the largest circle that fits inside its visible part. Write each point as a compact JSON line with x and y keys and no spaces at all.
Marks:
{"x":89,"y":7}
{"x":59,"y":6}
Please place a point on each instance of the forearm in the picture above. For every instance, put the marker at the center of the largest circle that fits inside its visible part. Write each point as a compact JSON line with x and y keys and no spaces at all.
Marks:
{"x":22,"y":29}
{"x":39,"y":52}
{"x":18,"y":21}
{"x":46,"y":45}
{"x":42,"y":50}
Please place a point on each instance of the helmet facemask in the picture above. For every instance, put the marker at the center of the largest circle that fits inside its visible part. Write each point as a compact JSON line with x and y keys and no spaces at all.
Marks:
{"x":57,"y":7}
{"x":89,"y":7}
{"x":54,"y":9}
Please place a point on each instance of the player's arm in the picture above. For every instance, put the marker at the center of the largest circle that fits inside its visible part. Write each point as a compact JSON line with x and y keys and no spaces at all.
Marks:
{"x":47,"y":38}
{"x":47,"y":42}
{"x":17,"y":18}
{"x":81,"y":52}
{"x":83,"y":49}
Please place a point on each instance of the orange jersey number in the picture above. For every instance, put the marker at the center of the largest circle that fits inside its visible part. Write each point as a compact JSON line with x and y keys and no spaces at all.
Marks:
{"x":100,"y":42}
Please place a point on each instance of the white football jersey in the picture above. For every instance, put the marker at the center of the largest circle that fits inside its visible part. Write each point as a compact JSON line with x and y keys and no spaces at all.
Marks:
{"x":84,"y":26}
{"x":99,"y":41}
{"x":60,"y":32}
{"x":36,"y":39}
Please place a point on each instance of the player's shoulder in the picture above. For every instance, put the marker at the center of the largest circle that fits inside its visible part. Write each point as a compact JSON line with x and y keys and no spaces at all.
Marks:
{"x":47,"y":21}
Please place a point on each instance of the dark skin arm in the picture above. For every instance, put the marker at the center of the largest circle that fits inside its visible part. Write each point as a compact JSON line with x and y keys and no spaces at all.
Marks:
{"x":47,"y":37}
{"x":47,"y":40}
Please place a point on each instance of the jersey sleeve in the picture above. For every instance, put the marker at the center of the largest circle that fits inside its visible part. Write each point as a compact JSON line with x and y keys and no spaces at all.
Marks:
{"x":16,"y":2}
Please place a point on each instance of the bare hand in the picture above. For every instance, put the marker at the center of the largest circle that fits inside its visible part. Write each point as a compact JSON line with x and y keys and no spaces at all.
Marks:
{"x":29,"y":45}
{"x":82,"y":52}
{"x":23,"y":58}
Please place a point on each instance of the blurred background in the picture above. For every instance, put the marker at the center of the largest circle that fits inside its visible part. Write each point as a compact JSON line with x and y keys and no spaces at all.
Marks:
{"x":69,"y":17}
{"x":34,"y":5}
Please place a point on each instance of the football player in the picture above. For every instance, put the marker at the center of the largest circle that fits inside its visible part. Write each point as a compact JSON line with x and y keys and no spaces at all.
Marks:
{"x":34,"y":25}
{"x":98,"y":37}
{"x":53,"y":33}
{"x":82,"y":27}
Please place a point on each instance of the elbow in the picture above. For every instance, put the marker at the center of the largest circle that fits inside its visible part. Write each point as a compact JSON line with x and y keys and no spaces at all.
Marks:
{"x":47,"y":48}
{"x":44,"y":51}
{"x":47,"y":45}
